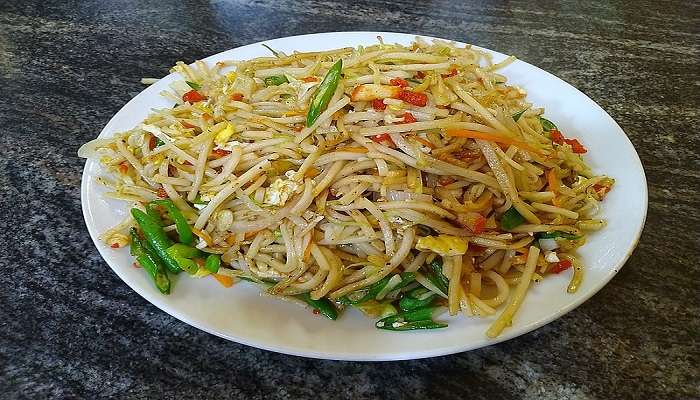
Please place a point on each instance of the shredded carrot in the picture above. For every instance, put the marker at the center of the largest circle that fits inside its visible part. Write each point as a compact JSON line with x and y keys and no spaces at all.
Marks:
{"x":490,"y":137}
{"x":553,"y":180}
{"x":424,"y":142}
{"x":311,"y":172}
{"x":353,"y":149}
{"x":224,"y":280}
{"x":204,"y":236}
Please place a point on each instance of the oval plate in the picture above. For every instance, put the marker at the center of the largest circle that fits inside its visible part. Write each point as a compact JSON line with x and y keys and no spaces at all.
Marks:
{"x":243,"y":315}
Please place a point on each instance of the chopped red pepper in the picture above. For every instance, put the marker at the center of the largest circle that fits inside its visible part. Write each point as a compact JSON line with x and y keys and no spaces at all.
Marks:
{"x":123,"y":167}
{"x":298,"y":128}
{"x":576,"y":146}
{"x":415,"y":98}
{"x":309,"y":79}
{"x":162,"y":193}
{"x":316,"y":311}
{"x":193,"y":96}
{"x":114,"y":245}
{"x":152,"y":142}
{"x":561,"y":266}
{"x":557,"y":137}
{"x":408,"y":118}
{"x":218,"y":153}
{"x":378,"y":104}
{"x":402,"y":83}
{"x":479,"y":225}
{"x":236,"y":96}
{"x":384,"y":139}
{"x":473,"y":221}
{"x":601,"y":190}
{"x":420,"y":75}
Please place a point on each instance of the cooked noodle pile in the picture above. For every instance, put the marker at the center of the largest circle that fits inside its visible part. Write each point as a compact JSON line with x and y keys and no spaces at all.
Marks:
{"x":415,"y":174}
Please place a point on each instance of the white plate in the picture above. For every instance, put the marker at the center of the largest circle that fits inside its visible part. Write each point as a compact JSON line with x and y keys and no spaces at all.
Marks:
{"x":241,"y":314}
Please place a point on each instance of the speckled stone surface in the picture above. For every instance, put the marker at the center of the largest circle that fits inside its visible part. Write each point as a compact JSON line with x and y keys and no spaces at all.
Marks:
{"x":69,"y":328}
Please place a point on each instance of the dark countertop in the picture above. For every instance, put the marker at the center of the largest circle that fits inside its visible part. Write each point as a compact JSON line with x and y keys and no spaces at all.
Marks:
{"x":70,"y":328}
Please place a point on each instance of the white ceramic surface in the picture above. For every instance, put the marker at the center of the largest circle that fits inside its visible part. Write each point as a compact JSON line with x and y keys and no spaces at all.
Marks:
{"x":241,"y":314}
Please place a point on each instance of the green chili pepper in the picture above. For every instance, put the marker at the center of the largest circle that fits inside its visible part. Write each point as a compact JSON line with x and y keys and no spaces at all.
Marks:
{"x":153,"y":213}
{"x":183,"y":229}
{"x":213,"y":263}
{"x":517,"y":115}
{"x":511,"y":218}
{"x":421,"y":318}
{"x":156,"y":237}
{"x":437,"y":277}
{"x":547,"y":125}
{"x":324,"y":93}
{"x":370,"y":293}
{"x":150,"y":263}
{"x":183,"y":255}
{"x":194,"y":85}
{"x":159,"y":142}
{"x":556,"y":234}
{"x":324,"y":306}
{"x":275,"y":80}
{"x":412,"y":300}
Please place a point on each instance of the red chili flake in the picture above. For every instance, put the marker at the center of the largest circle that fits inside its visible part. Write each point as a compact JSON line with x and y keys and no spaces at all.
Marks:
{"x":402,"y":83}
{"x":114,"y":245}
{"x":446,"y":180}
{"x":408,"y":118}
{"x":123,"y":167}
{"x":162,"y":193}
{"x":236,"y":96}
{"x":415,"y":98}
{"x":309,"y":79}
{"x":384,"y":139}
{"x":192,"y":96}
{"x":316,"y":311}
{"x":378,"y":104}
{"x":218,"y":153}
{"x":561,"y":266}
{"x":479,"y":225}
{"x":419,"y":75}
{"x":576,"y":146}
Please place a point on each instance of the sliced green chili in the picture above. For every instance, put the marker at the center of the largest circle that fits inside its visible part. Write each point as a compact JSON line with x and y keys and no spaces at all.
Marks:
{"x":421,"y":318}
{"x":414,"y":299}
{"x":511,"y":218}
{"x":519,"y":114}
{"x":556,"y":234}
{"x":183,"y":255}
{"x":275,"y":80}
{"x":194,"y":85}
{"x":547,"y":125}
{"x":156,"y":237}
{"x":324,"y":93}
{"x":150,"y":263}
{"x":436,"y":277}
{"x":183,"y":229}
{"x":213,"y":263}
{"x":324,"y":306}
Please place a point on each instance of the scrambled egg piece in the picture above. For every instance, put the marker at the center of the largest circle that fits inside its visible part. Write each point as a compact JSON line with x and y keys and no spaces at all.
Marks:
{"x":444,"y":245}
{"x":224,"y":135}
{"x":280,"y":191}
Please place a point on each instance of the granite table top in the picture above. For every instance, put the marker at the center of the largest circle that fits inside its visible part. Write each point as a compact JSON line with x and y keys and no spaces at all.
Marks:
{"x":70,"y":328}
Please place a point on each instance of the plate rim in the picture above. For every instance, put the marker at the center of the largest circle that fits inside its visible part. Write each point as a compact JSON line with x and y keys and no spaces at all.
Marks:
{"x":340,"y":356}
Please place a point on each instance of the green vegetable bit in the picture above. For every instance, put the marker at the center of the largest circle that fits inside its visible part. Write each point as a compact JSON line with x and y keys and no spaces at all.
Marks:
{"x":556,"y":234}
{"x":183,"y":255}
{"x":213,"y":263}
{"x":324,"y":306}
{"x":275,"y":80}
{"x":324,"y":93}
{"x":194,"y":85}
{"x":156,"y":237}
{"x":511,"y":218}
{"x":519,"y":114}
{"x":159,"y":142}
{"x":415,"y":299}
{"x":421,"y":318}
{"x":181,"y":226}
{"x":437,"y":278}
{"x":547,"y":125}
{"x":150,"y":263}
